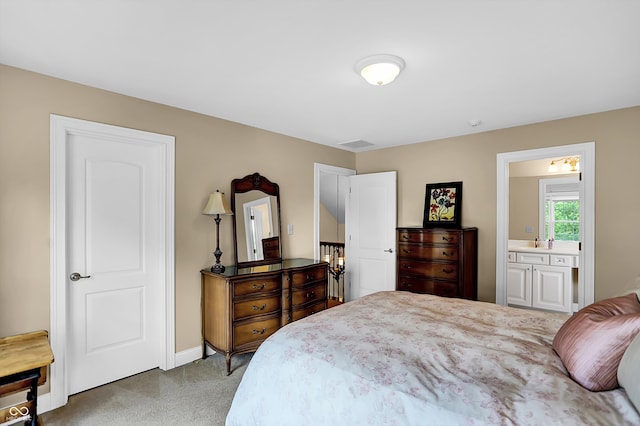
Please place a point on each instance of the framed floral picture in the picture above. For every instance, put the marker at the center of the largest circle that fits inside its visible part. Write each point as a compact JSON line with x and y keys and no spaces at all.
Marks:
{"x":443,"y":205}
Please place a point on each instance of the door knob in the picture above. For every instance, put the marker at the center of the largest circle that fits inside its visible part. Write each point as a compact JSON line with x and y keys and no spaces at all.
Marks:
{"x":389,"y":251}
{"x":76,"y":276}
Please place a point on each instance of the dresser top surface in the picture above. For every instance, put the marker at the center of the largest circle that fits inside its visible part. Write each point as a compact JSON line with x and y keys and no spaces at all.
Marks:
{"x":234,"y":271}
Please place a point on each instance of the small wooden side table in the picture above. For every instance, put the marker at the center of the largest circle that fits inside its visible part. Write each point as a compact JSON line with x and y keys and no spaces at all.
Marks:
{"x":23,"y":366}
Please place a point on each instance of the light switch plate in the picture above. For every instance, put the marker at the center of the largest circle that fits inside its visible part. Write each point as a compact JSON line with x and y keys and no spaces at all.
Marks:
{"x":290,"y":229}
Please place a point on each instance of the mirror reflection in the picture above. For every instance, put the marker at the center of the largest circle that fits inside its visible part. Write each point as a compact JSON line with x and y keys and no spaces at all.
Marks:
{"x":255,"y":202}
{"x":543,"y":200}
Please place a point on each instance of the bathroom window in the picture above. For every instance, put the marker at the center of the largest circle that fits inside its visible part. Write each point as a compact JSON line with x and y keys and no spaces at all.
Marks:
{"x":562,"y":217}
{"x":560,"y":209}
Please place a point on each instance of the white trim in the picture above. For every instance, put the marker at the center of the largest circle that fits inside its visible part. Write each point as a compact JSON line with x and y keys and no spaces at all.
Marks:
{"x":325,"y":168}
{"x":60,"y":128}
{"x":188,"y":355}
{"x":586,"y":277}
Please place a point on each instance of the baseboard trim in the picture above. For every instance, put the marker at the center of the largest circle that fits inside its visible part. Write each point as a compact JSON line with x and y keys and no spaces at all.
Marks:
{"x":189,"y":355}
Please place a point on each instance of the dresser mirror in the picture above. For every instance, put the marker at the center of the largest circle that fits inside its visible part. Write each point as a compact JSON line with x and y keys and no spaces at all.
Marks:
{"x":255,"y":202}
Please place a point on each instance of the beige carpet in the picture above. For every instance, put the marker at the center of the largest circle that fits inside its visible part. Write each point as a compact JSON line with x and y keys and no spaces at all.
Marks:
{"x":199,"y":393}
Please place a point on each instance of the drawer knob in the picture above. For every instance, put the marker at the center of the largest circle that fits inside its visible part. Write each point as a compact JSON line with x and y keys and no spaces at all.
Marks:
{"x":447,"y":239}
{"x":407,"y":251}
{"x":444,"y":253}
{"x":259,"y":308}
{"x":447,"y":271}
{"x":407,"y":266}
{"x":311,"y":294}
{"x":404,"y":236}
{"x":259,"y":331}
{"x":259,"y":287}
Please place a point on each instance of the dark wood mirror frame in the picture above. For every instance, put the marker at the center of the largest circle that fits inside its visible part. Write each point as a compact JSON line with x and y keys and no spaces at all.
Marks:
{"x":256,"y":182}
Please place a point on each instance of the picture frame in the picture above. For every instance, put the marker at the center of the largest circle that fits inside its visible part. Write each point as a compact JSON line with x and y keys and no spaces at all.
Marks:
{"x":443,"y":205}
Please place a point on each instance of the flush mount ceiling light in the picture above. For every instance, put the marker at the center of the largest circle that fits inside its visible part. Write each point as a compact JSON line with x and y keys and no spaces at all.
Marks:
{"x":380,"y":69}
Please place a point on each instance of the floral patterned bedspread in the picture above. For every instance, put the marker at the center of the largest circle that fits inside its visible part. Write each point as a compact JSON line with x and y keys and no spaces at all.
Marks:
{"x":398,"y":358}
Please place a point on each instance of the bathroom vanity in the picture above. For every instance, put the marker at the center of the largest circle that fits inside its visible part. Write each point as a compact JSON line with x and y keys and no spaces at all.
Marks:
{"x":542,"y":278}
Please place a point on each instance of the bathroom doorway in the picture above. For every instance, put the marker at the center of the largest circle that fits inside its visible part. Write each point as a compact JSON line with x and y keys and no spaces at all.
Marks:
{"x":586,"y":153}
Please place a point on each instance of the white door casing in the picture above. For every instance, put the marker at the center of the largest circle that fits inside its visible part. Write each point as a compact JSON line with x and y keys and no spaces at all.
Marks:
{"x":372,"y":220}
{"x":112,"y":219}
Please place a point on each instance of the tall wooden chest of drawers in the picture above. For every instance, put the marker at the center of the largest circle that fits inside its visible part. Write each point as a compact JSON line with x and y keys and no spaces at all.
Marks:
{"x":241,"y":307}
{"x":438,"y":261}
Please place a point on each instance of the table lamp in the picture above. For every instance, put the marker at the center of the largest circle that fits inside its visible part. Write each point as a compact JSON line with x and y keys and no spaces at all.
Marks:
{"x":216,"y":206}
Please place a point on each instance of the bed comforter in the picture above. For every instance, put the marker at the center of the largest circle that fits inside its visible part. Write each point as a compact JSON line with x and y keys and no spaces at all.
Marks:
{"x":398,"y":358}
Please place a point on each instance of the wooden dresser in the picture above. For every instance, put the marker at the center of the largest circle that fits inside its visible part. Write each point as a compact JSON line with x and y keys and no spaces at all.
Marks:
{"x":438,"y":261}
{"x":243,"y":306}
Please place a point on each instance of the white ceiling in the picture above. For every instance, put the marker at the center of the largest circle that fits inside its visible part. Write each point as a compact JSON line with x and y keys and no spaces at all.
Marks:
{"x":288,"y":65}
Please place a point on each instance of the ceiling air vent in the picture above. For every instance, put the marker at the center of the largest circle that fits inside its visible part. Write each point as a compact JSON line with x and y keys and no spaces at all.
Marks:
{"x":356,"y":144}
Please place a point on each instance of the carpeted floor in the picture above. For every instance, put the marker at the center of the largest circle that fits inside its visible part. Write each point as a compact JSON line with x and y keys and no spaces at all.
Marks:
{"x":199,"y":393}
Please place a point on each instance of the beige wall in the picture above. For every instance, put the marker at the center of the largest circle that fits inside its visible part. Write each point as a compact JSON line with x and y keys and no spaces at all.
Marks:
{"x":472,"y":159}
{"x":523,"y":207}
{"x":209,"y":153}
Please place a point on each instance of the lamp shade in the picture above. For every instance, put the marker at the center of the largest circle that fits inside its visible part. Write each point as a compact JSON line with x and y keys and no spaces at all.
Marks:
{"x":217,"y":204}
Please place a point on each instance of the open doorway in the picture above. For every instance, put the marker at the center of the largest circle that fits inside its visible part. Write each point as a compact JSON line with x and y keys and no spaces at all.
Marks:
{"x":330,"y":195}
{"x":586,"y":153}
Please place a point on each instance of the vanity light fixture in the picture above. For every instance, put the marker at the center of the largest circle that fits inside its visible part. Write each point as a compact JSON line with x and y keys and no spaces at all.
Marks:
{"x":569,"y":164}
{"x":380,"y":69}
{"x":216,"y":206}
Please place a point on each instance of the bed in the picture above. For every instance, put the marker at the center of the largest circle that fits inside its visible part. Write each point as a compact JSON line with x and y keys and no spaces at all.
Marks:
{"x":399,"y":358}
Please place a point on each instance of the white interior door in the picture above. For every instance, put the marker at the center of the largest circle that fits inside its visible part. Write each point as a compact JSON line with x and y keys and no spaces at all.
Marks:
{"x":371,"y":226}
{"x":115,"y":236}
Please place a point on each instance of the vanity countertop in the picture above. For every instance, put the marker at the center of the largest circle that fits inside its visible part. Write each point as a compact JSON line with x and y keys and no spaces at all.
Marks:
{"x":559,"y":247}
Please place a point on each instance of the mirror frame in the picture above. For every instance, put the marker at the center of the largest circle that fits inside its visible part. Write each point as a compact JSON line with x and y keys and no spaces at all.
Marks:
{"x":254,"y":182}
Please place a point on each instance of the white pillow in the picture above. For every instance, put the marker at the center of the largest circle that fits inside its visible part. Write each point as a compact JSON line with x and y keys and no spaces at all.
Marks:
{"x":629,"y":371}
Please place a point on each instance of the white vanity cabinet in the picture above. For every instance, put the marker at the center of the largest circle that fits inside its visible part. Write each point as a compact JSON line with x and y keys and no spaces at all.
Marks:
{"x":534,"y":281}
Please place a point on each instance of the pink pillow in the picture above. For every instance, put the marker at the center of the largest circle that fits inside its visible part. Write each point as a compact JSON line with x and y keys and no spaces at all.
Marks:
{"x":592,"y":342}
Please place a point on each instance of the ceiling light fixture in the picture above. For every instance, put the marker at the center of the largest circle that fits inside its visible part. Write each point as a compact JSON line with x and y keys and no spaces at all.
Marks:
{"x":380,"y":69}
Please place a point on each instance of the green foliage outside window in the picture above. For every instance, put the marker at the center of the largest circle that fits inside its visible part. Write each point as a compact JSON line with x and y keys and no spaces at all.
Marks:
{"x":564,"y":219}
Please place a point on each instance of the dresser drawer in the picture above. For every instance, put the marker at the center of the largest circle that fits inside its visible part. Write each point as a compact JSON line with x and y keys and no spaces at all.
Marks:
{"x":306,"y":276}
{"x":300,"y":313}
{"x":260,"y":285}
{"x":428,"y":269}
{"x":255,"y":331}
{"x":309,"y":294}
{"x":429,"y":252}
{"x":264,"y":305}
{"x":441,"y":237}
{"x":417,"y":285}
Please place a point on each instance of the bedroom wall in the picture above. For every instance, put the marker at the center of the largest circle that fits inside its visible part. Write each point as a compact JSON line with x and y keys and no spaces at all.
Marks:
{"x":210,"y":152}
{"x":472,"y":159}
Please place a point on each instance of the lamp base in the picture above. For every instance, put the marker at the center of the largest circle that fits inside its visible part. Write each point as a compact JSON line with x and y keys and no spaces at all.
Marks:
{"x":217,"y":268}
